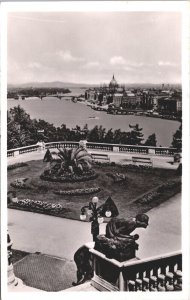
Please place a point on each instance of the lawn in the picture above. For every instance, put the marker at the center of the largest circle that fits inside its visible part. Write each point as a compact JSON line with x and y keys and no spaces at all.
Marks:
{"x":124,"y":194}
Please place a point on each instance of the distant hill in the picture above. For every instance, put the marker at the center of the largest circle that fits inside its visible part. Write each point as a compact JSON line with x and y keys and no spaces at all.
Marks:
{"x":54,"y":84}
{"x":60,"y":84}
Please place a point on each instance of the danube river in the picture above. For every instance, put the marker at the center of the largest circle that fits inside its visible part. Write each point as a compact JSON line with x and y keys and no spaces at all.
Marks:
{"x":66,"y":112}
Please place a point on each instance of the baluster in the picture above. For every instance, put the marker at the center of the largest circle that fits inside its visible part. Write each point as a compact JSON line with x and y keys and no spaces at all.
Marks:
{"x":177,"y":278}
{"x":153,"y":282}
{"x":145,"y":282}
{"x":161,"y":281}
{"x":169,"y":280}
{"x":131,"y":285}
{"x":178,"y":281}
{"x":138,"y":282}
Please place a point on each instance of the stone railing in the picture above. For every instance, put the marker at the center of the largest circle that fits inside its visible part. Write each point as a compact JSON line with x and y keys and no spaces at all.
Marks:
{"x":159,"y":273}
{"x":160,"y":151}
{"x":22,"y":150}
{"x":62,"y":145}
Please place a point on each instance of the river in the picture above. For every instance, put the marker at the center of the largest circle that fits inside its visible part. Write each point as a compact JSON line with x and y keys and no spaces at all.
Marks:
{"x":66,"y":112}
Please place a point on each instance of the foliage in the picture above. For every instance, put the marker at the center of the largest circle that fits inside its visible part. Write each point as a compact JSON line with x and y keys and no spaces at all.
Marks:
{"x":136,"y":135}
{"x":70,"y":161}
{"x":151,"y":140}
{"x":35,"y":92}
{"x":24,"y":131}
{"x":177,"y":139}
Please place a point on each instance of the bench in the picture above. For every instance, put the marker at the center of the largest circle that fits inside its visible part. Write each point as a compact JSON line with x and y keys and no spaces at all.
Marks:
{"x":143,"y":160}
{"x":99,"y":156}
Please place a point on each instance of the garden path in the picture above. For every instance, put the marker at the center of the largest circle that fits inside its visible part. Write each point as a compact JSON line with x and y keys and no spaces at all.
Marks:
{"x":60,"y":237}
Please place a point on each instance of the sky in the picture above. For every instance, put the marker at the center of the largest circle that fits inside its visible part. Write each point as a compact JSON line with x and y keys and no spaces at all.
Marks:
{"x":88,"y":47}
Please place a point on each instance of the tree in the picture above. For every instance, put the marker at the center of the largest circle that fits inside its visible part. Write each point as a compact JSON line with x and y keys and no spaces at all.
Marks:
{"x":117,"y":136}
{"x":93,"y":135}
{"x":177,"y":139}
{"x":151,"y":140}
{"x":109,"y":137}
{"x":135,"y":136}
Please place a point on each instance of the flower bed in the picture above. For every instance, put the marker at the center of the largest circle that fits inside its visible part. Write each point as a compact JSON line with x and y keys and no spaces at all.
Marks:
{"x":70,"y":177}
{"x":162,"y":190}
{"x":127,"y":167}
{"x":117,"y":177}
{"x":17,"y":165}
{"x":79,"y":192}
{"x":42,"y":205}
{"x":19,"y":183}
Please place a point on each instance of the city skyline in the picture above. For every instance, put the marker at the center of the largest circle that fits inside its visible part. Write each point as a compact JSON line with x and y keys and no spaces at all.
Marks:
{"x":88,"y":47}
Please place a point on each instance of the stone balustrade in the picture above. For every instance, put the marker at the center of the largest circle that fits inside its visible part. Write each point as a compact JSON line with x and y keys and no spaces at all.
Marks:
{"x":134,"y":149}
{"x":159,"y":273}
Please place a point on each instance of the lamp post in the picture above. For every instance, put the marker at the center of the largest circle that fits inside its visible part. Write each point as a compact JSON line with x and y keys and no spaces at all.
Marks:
{"x":96,"y":215}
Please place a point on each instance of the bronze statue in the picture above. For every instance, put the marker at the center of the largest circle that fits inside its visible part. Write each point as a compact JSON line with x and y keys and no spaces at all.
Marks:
{"x":83,"y":260}
{"x":120,"y":228}
{"x":118,"y":243}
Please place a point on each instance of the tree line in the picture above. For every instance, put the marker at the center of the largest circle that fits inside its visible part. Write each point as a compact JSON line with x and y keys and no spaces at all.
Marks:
{"x":24,"y":131}
{"x":35,"y":92}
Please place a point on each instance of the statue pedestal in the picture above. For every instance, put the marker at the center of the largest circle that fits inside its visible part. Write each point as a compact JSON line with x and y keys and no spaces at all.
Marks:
{"x":108,"y":273}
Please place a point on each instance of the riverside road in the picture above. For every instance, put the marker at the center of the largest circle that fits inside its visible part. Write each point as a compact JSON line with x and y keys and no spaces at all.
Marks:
{"x":61,"y":237}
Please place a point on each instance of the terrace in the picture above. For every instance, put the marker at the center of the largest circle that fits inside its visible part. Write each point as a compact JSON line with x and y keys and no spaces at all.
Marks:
{"x":166,"y":274}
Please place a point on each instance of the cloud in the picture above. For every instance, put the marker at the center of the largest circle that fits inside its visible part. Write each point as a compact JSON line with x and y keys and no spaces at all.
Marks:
{"x":117,"y":60}
{"x":167,"y":63}
{"x":91,"y":65}
{"x":34,"y":65}
{"x":67,"y":57}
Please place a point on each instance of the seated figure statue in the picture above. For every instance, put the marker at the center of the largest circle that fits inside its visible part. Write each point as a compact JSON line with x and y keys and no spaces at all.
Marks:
{"x":118,"y":242}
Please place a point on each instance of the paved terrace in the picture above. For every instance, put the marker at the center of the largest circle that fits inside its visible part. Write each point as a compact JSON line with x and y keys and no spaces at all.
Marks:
{"x":63,"y":237}
{"x":124,"y":158}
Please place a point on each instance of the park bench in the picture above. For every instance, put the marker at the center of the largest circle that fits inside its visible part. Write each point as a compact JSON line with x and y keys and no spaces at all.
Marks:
{"x":100,"y":156}
{"x":142,"y":160}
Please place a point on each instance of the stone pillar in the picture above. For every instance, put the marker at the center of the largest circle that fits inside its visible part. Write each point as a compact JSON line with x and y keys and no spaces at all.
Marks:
{"x":16,"y":153}
{"x":82,"y":143}
{"x":12,"y":280}
{"x":151,"y":151}
{"x":115,"y":149}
